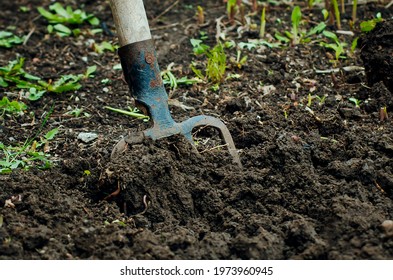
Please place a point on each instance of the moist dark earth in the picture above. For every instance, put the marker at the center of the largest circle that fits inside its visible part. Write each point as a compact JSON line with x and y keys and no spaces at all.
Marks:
{"x":317,"y":177}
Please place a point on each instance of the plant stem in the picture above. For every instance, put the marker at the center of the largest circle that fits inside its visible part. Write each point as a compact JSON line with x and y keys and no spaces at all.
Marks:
{"x":354,"y":11}
{"x":337,"y":13}
{"x":263,"y":23}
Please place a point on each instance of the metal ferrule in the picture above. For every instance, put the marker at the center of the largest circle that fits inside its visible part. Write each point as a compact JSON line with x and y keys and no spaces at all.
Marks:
{"x":143,"y":76}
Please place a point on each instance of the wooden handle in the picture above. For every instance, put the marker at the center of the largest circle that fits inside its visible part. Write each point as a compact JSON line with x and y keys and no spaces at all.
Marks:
{"x":130,"y":20}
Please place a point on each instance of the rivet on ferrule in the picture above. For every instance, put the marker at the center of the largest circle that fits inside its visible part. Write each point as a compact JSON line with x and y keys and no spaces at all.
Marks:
{"x":149,"y":58}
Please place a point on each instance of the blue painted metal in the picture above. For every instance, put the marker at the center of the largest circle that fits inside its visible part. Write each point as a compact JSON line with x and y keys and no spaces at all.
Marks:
{"x":143,"y":76}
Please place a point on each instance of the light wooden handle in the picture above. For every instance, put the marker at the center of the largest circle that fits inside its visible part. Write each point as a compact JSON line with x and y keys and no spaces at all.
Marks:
{"x":130,"y":20}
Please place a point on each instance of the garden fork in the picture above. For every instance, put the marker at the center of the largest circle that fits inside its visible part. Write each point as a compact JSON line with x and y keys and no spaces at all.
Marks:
{"x":142,"y":74}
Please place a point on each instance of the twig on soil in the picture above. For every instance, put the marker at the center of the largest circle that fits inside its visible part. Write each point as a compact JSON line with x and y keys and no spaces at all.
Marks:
{"x":166,"y":10}
{"x":379,"y":187}
{"x":389,"y":5}
{"x":28,"y":36}
{"x":165,"y":26}
{"x":213,"y":148}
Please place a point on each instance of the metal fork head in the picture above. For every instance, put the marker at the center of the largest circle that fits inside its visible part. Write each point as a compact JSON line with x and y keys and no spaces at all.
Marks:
{"x":143,"y":76}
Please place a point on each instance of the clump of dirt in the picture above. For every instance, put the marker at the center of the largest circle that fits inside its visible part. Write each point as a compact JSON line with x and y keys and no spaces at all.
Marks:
{"x":377,"y":54}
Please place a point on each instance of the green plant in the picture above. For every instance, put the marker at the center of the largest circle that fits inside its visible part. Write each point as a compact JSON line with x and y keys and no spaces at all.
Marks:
{"x":231,"y":10}
{"x":240,"y":60}
{"x":337,"y":46}
{"x":325,"y":14}
{"x":216,"y":64}
{"x":135,"y":113}
{"x":31,"y":153}
{"x":200,"y":15}
{"x":67,"y":15}
{"x":295,"y":18}
{"x":104,"y":46}
{"x":13,"y":73}
{"x":170,"y":79}
{"x":321,"y":99}
{"x":11,"y":107}
{"x":355,"y":101}
{"x":263,"y":23}
{"x":76,"y":112}
{"x":62,"y":16}
{"x":216,"y":61}
{"x":354,"y":11}
{"x":367,"y":26}
{"x":8,"y":39}
{"x":296,"y":35}
{"x":337,"y":13}
{"x":354,"y":44}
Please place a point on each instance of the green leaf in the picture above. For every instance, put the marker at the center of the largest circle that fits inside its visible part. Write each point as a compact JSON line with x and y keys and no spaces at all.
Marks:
{"x":317,"y":29}
{"x":354,"y":44}
{"x":249,"y":46}
{"x":62,"y":29}
{"x":51,"y":134}
{"x":325,"y":14}
{"x":281,"y":38}
{"x":296,"y":16}
{"x":90,"y":70}
{"x":34,"y":94}
{"x":94,"y":21}
{"x":330,"y":35}
{"x":31,"y":77}
{"x":46,"y":14}
{"x":198,"y":47}
{"x":58,"y":8}
{"x":3,"y":83}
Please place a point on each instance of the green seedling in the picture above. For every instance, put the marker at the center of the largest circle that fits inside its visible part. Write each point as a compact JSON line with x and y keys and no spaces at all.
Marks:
{"x":198,"y":47}
{"x":321,"y":99}
{"x":263,"y":23}
{"x":14,"y":74}
{"x":354,"y":10}
{"x":8,"y":39}
{"x":24,"y":9}
{"x":62,"y":16}
{"x":295,"y":18}
{"x":76,"y":112}
{"x":325,"y":14}
{"x":354,"y":44}
{"x":104,"y":46}
{"x":337,"y":13}
{"x":67,"y":15}
{"x":11,"y":107}
{"x":355,"y":101}
{"x":216,"y":61}
{"x":90,"y":72}
{"x":231,"y":10}
{"x":31,"y":153}
{"x":135,"y":113}
{"x":296,"y":35}
{"x":337,"y":46}
{"x":240,"y":60}
{"x":200,"y":15}
{"x":169,"y":79}
{"x":253,"y":44}
{"x":367,"y":26}
{"x":216,"y":64}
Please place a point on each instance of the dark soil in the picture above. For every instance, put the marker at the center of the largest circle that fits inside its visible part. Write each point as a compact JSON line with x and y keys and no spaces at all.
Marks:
{"x":316,"y":183}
